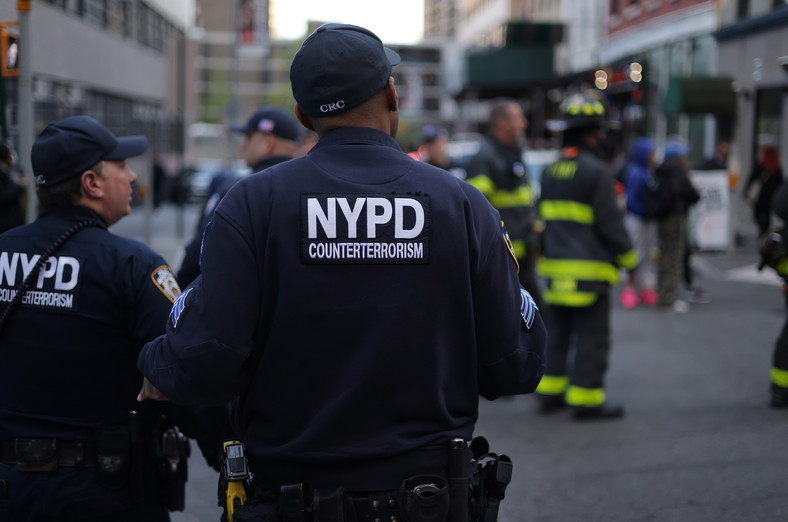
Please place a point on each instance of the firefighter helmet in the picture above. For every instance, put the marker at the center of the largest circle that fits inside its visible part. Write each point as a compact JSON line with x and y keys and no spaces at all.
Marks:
{"x":580,"y":110}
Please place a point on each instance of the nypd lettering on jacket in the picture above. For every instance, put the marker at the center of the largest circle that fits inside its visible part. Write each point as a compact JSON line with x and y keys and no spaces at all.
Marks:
{"x":53,"y":287}
{"x":365,"y":228}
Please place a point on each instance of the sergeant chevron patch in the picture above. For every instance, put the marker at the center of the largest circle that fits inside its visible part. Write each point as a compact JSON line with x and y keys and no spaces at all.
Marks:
{"x":528,"y":308}
{"x":178,"y":307}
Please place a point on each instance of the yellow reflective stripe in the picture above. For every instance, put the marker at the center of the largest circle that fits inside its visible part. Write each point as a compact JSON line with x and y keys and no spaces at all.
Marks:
{"x":558,"y":210}
{"x":522,"y":196}
{"x":588,"y":397}
{"x":782,"y":267}
{"x":628,"y":260}
{"x":582,"y":269}
{"x":518,"y":245}
{"x":780,"y":377}
{"x":484,"y":184}
{"x":553,"y":384}
{"x":570,"y":298}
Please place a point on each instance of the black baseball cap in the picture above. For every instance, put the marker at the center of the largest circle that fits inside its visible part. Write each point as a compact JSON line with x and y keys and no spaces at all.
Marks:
{"x":69,"y":147}
{"x":271,"y":120}
{"x":338,"y":67}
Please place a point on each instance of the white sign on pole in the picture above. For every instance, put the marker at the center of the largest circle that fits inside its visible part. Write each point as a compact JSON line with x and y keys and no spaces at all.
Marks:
{"x":709,"y":219}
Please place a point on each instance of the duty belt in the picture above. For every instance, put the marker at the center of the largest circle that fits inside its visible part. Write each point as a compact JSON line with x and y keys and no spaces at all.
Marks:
{"x":39,"y":454}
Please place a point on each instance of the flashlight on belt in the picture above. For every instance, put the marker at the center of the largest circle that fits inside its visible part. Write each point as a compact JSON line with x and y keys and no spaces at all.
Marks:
{"x":235,"y":472}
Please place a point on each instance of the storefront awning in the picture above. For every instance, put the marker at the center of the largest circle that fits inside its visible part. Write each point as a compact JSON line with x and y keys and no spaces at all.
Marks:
{"x":700,"y":95}
{"x":510,"y":67}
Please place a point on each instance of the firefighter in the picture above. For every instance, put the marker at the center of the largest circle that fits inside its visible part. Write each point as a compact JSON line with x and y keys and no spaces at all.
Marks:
{"x":498,"y":171}
{"x":585,"y":245}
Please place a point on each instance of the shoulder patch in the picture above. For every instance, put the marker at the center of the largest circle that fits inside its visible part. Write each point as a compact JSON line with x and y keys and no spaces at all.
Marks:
{"x":509,"y":246}
{"x":178,"y":307}
{"x":165,"y":281}
{"x":528,"y":308}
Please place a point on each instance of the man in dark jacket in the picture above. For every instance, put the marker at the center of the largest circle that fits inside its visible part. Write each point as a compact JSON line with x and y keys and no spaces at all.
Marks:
{"x":497,"y":170}
{"x":356,"y":301}
{"x":585,"y":246}
{"x":70,"y":340}
{"x":270,"y":135}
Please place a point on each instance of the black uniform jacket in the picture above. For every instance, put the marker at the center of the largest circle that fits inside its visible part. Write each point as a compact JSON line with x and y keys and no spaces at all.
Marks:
{"x":359,"y":302}
{"x":68,"y":353}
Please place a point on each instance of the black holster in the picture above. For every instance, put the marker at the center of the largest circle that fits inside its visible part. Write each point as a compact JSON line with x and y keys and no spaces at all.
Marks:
{"x":491,"y":475}
{"x":173,"y":467}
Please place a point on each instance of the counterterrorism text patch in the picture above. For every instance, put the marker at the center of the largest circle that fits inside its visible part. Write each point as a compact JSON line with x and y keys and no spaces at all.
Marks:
{"x":365,"y":228}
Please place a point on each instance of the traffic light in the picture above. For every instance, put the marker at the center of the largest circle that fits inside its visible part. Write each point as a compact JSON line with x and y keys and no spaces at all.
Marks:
{"x":9,"y":52}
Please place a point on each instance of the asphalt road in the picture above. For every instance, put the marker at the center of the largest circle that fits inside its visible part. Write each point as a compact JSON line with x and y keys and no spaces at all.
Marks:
{"x":699,"y":442}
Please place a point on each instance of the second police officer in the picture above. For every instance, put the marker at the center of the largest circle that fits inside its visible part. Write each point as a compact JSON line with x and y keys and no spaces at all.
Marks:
{"x":585,"y":246}
{"x":357,"y":301}
{"x":78,"y":303}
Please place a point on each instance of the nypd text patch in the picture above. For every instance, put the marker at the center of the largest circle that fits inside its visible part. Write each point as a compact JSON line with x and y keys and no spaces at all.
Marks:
{"x":56,"y":285}
{"x":365,"y":228}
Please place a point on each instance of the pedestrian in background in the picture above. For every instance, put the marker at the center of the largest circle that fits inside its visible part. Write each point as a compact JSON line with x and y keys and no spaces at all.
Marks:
{"x":270,"y":137}
{"x":358,"y":303}
{"x":12,"y":190}
{"x":498,"y":171}
{"x":585,"y":247}
{"x":69,"y":448}
{"x":718,"y":160}
{"x":672,"y":175}
{"x":637,"y":176}
{"x":765,"y":178}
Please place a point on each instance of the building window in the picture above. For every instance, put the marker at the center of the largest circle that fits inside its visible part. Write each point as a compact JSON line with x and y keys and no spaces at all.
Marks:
{"x":742,"y":9}
{"x":143,"y":26}
{"x":615,"y":6}
{"x":96,"y":12}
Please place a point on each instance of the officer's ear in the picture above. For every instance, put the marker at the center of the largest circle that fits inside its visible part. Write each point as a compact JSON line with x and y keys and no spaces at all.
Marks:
{"x":391,"y":95}
{"x":91,"y":183}
{"x":303,"y":118}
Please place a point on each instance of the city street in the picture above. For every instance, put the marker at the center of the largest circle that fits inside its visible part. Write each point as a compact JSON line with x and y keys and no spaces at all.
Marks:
{"x":699,"y":442}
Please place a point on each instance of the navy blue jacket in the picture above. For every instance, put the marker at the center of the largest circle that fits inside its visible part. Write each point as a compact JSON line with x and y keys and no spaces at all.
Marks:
{"x":190,"y":266}
{"x":359,"y":302}
{"x":67,"y":358}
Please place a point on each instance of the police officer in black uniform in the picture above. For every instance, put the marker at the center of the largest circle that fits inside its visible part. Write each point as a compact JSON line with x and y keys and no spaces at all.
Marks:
{"x":270,"y":137}
{"x":357,"y":301}
{"x":77,"y":305}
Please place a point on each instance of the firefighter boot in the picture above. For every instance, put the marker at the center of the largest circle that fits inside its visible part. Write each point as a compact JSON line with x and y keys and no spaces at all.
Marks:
{"x":550,"y":403}
{"x":604,"y":411}
{"x":779,"y":397}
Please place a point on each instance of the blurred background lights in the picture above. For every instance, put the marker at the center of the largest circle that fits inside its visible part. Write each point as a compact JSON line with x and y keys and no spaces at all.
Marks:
{"x":600,"y":79}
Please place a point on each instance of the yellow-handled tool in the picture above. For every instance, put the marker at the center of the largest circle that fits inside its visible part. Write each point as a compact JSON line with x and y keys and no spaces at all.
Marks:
{"x":235,"y":473}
